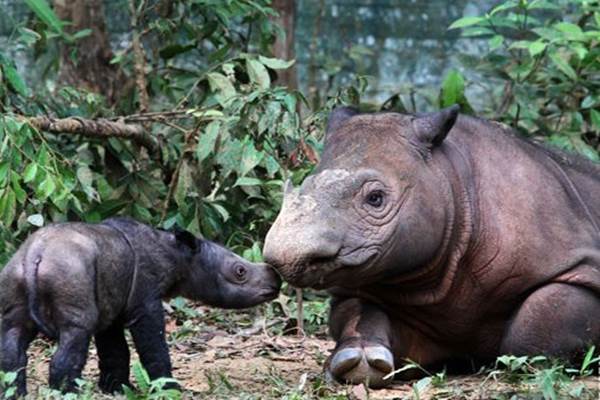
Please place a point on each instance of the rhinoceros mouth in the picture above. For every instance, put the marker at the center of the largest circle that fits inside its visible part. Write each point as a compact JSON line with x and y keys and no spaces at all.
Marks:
{"x":327,"y":272}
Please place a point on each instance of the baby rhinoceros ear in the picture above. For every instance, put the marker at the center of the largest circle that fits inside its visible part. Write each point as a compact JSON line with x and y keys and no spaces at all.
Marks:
{"x":187,"y":239}
{"x":431,"y":128}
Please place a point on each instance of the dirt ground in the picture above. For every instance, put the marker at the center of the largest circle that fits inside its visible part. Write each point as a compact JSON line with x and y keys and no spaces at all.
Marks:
{"x":213,"y":362}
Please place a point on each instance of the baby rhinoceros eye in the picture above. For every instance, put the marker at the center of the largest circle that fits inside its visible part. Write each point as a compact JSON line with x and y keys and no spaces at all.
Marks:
{"x":240,"y":272}
{"x":375,"y":198}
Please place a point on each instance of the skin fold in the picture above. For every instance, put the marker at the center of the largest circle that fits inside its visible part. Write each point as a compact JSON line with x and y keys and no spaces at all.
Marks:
{"x":443,"y":238}
{"x":73,"y":281}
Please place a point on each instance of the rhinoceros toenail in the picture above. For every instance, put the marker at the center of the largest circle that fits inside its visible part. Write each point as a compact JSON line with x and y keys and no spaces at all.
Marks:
{"x":345,"y":360}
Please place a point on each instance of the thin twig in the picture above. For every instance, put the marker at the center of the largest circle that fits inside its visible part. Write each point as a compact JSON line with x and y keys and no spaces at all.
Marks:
{"x":139,"y":57}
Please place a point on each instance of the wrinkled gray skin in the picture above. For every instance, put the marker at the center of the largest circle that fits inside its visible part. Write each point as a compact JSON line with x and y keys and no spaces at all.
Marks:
{"x":74,"y":280}
{"x":443,"y":237}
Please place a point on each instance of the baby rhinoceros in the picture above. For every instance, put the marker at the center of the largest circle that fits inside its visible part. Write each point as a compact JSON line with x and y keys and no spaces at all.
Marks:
{"x":74,"y":280}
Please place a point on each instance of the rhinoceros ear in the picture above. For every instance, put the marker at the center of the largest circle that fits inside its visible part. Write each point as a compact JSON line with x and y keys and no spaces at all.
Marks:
{"x":187,"y":239}
{"x":432,"y":128}
{"x":338,"y":116}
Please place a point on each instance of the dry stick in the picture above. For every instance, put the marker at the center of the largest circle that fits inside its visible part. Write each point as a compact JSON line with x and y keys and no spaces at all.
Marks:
{"x":99,"y":128}
{"x":300,"y":313}
{"x":139,"y":58}
{"x":175,"y":177}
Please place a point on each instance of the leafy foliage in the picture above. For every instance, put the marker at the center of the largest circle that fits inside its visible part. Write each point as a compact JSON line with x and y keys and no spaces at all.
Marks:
{"x":547,"y":61}
{"x":222,"y":159}
{"x":148,"y":389}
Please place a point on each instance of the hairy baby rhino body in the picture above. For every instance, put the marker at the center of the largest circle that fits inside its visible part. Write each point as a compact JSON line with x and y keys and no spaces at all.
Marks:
{"x":443,"y":237}
{"x":74,"y":280}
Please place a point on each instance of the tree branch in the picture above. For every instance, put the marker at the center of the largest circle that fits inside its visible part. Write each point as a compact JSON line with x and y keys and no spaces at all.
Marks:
{"x":99,"y":128}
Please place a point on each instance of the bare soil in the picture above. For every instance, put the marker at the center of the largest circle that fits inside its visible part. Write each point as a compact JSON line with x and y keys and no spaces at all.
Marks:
{"x":213,"y":362}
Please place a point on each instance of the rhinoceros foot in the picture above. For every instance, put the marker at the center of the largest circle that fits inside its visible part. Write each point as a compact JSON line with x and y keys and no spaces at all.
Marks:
{"x":367,"y":364}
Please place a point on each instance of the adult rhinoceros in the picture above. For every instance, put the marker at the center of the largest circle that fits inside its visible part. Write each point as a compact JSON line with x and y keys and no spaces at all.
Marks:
{"x":443,"y":236}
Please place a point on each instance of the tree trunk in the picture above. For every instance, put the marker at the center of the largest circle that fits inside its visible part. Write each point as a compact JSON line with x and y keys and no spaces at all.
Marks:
{"x":284,"y":46}
{"x":86,"y":63}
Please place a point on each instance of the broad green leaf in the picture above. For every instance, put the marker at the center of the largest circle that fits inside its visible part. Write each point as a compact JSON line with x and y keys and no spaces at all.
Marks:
{"x":8,"y":205}
{"x":595,"y":117}
{"x":250,"y":158}
{"x":36,"y":220}
{"x":184,"y":183}
{"x":536,"y":48}
{"x":563,"y":66}
{"x":4,"y":168}
{"x":574,"y":31}
{"x":452,"y":89}
{"x":496,"y":42}
{"x":247,"y":181}
{"x":30,"y":172}
{"x":82,"y":33}
{"x":43,"y":11}
{"x":14,"y":80}
{"x":290,"y":102}
{"x":207,"y":140}
{"x":258,"y":73}
{"x":222,"y":86}
{"x":47,"y":187}
{"x":276,"y":63}
{"x":20,"y":194}
{"x":465,"y":21}
{"x":221,"y":210}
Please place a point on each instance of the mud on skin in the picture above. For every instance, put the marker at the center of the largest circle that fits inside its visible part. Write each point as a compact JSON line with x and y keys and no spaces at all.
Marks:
{"x":443,"y":237}
{"x":73,"y":281}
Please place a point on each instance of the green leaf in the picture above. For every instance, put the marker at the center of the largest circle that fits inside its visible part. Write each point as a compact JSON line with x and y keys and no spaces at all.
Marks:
{"x":247,"y":181}
{"x":173,"y":50}
{"x":36,"y":220}
{"x":184,"y":183}
{"x":258,"y":73}
{"x":8,"y":205}
{"x":250,"y":158}
{"x":81,"y":34}
{"x":276,"y":63}
{"x":47,"y":187}
{"x":595,"y":117}
{"x":4,"y":168}
{"x":207,"y":140}
{"x":30,"y":172}
{"x":43,"y":11}
{"x":496,"y":42}
{"x":14,"y":80}
{"x":453,"y":89}
{"x":222,"y":86}
{"x":571,"y":29}
{"x":536,"y":48}
{"x":563,"y":66}
{"x":465,"y":21}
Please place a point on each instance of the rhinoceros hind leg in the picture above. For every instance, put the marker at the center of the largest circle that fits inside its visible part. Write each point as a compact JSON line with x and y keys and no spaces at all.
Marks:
{"x":17,"y":333}
{"x":557,"y":320}
{"x":69,"y":359}
{"x":362,"y":332}
{"x":113,"y":359}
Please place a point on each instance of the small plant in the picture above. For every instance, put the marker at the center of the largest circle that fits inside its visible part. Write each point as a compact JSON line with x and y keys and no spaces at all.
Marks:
{"x":148,"y":389}
{"x":7,"y":383}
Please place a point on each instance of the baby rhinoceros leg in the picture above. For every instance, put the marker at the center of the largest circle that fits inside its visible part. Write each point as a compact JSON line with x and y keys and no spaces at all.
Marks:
{"x":362,"y":333}
{"x":113,"y":359}
{"x":17,"y":332}
{"x":70,"y":357}
{"x":148,"y":331}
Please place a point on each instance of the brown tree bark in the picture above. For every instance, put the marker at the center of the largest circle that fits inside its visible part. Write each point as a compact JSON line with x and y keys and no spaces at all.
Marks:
{"x":284,"y":46}
{"x":86,"y":63}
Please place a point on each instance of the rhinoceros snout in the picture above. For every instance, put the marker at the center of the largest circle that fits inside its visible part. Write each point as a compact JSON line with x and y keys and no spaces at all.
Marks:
{"x":291,"y":253}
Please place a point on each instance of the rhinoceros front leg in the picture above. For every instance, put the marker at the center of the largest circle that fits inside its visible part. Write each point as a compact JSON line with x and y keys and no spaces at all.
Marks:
{"x":557,"y":320}
{"x":363,"y":353}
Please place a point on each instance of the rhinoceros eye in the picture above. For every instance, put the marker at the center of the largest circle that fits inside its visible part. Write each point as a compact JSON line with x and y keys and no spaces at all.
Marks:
{"x":375,"y":198}
{"x":240,"y":272}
